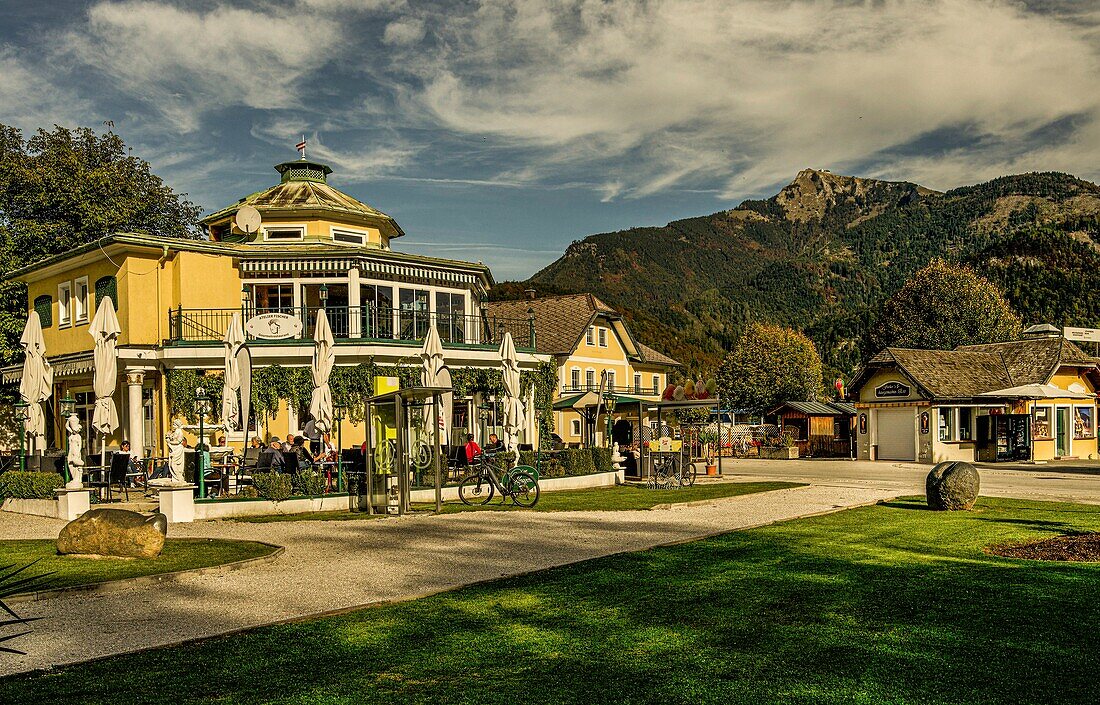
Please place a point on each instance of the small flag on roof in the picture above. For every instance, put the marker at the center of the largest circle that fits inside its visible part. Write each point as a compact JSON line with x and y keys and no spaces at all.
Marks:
{"x":301,"y":147}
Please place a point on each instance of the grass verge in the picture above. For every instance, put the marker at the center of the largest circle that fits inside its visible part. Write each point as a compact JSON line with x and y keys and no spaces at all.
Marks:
{"x":883,"y":604}
{"x":178,"y":554}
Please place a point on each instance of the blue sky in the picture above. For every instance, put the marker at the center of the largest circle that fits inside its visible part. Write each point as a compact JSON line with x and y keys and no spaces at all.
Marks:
{"x":501,"y":130}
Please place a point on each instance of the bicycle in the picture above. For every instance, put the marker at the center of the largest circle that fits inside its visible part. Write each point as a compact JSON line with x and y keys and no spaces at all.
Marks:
{"x":479,"y":487}
{"x":669,"y":472}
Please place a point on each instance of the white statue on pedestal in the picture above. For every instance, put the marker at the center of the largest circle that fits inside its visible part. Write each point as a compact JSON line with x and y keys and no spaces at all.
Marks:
{"x":176,"y":452}
{"x":617,"y":458}
{"x":75,"y":459}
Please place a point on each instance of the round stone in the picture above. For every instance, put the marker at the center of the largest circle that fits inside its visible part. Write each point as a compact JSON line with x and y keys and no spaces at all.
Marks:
{"x":952,"y":486}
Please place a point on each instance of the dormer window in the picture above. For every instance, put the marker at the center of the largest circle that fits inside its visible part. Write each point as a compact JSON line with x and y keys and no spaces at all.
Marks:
{"x":284,"y":233}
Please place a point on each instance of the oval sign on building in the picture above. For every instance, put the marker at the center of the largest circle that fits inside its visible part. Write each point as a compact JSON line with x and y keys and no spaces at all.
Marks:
{"x":891,"y":390}
{"x":274,"y":326}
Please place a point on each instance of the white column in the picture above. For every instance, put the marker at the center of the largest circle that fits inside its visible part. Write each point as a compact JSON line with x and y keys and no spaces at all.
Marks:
{"x":354,"y":312}
{"x":135,"y":416}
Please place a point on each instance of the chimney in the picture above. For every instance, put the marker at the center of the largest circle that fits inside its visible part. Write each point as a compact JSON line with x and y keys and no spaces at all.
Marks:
{"x":1042,"y":330}
{"x":529,"y":293}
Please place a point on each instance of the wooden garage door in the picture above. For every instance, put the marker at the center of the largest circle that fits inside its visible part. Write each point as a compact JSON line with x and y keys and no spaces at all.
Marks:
{"x":896,"y":434}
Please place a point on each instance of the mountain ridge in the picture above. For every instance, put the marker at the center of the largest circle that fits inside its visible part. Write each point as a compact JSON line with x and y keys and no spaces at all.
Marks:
{"x":826,"y":250}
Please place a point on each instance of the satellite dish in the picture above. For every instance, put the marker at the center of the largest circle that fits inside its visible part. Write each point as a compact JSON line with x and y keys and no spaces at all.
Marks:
{"x":247,"y":219}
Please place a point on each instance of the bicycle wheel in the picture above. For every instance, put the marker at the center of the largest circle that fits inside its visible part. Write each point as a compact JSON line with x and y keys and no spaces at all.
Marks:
{"x":663,"y":471}
{"x":687,"y":475}
{"x":475,"y":490}
{"x":524,"y":489}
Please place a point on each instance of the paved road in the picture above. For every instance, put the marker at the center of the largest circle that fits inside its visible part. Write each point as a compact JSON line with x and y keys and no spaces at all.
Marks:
{"x":1052,"y":482}
{"x":332,"y":565}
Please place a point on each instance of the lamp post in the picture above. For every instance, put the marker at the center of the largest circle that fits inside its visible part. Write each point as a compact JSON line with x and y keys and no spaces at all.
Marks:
{"x":246,"y":299}
{"x":68,"y":408}
{"x":609,"y":404}
{"x":324,"y":295}
{"x":338,"y":417}
{"x":202,"y":407}
{"x":22,"y":413}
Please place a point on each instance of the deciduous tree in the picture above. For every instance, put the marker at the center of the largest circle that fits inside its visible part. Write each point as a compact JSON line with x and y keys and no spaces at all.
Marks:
{"x":943,"y":306}
{"x":770,"y":365}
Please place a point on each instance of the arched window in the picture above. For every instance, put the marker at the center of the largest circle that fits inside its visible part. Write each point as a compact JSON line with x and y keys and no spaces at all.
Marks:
{"x":106,"y":286}
{"x":44,"y":305}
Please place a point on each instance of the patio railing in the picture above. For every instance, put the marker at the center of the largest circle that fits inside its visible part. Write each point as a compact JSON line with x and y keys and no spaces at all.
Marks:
{"x":637,"y":390}
{"x":362,"y":324}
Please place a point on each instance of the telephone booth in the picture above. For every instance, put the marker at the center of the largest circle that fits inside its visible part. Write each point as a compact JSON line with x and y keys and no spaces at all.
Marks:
{"x":404,"y":447}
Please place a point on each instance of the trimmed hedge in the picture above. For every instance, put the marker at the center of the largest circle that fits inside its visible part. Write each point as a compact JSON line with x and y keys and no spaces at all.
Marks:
{"x":29,"y":485}
{"x":274,"y":486}
{"x":601,"y":459}
{"x":309,"y":483}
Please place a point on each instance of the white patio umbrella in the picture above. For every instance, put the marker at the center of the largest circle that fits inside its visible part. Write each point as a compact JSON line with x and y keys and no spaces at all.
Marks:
{"x":105,"y":331}
{"x":36,"y":384}
{"x":324,"y":358}
{"x":234,"y":339}
{"x":513,"y":406}
{"x":434,"y":373}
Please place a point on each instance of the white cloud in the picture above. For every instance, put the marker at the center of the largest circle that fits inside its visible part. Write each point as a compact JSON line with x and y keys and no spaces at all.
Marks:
{"x":746,"y":92}
{"x":404,"y":32}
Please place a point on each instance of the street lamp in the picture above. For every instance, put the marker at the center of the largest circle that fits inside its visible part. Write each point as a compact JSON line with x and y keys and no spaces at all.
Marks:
{"x":338,"y":417}
{"x":609,"y":404}
{"x":68,"y":408}
{"x":246,"y":299}
{"x":324,"y":295}
{"x":202,"y":408}
{"x":22,"y":414}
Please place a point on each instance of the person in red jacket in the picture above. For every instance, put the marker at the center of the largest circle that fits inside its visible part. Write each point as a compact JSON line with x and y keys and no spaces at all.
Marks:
{"x":472,"y":449}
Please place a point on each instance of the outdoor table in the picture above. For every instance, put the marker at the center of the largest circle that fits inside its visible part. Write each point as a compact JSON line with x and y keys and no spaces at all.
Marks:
{"x":325,"y":467}
{"x":103,"y":488}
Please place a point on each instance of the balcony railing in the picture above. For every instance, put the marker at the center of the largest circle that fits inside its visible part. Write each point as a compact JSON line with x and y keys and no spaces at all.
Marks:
{"x":362,"y":324}
{"x":636,"y":390}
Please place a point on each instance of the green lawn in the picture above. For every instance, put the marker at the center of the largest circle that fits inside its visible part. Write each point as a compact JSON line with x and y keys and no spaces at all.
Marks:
{"x":178,"y":554}
{"x":883,"y":604}
{"x":622,"y":497}
{"x":599,"y":499}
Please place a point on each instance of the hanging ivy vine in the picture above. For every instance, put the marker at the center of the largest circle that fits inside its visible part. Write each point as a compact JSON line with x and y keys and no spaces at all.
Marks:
{"x":351,"y":386}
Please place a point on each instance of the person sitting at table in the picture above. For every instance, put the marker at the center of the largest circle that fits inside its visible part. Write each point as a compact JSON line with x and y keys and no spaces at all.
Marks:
{"x":255,"y":443}
{"x":271,"y":457}
{"x":473,"y":450}
{"x":288,"y":444}
{"x":299,"y":450}
{"x":134,"y":462}
{"x":495,"y":445}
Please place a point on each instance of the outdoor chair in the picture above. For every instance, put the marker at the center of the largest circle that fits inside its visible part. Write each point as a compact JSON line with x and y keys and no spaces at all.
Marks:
{"x":120,"y":473}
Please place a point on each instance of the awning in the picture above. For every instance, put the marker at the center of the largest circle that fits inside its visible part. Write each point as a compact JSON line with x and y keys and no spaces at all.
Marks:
{"x":66,"y":368}
{"x":320,"y":265}
{"x":577,"y":401}
{"x":1036,"y":391}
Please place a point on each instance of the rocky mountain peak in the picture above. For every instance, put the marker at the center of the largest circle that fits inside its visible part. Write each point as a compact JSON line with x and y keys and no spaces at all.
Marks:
{"x":815,"y":191}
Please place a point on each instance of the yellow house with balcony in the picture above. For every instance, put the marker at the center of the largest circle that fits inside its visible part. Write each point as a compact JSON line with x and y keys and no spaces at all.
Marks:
{"x":314,"y":247}
{"x":592,"y":345}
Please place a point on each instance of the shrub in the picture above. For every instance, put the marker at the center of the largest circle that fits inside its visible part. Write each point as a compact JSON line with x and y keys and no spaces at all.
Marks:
{"x":601,"y":459}
{"x":273,"y":485}
{"x":527,"y":457}
{"x":577,"y":461}
{"x":309,"y":483}
{"x":29,"y":485}
{"x":550,"y":466}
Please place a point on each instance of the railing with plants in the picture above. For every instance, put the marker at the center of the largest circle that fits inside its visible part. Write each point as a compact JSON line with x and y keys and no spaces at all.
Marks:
{"x":359,"y":323}
{"x":641,"y":390}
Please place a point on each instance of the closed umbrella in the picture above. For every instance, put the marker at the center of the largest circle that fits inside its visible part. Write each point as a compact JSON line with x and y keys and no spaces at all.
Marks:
{"x":434,"y":373}
{"x":513,"y":407}
{"x":324,"y":358}
{"x":36,"y":384}
{"x":233,"y":341}
{"x":105,"y":331}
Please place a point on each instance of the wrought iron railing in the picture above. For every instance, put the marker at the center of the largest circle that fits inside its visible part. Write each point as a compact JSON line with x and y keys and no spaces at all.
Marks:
{"x":358,"y":324}
{"x":595,"y":387}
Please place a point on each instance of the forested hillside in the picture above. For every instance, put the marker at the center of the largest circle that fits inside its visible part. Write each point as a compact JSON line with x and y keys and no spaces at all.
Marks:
{"x":825,"y":252}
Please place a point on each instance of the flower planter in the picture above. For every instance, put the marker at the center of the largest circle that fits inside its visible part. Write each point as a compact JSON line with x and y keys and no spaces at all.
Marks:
{"x":712,"y":469}
{"x":779,"y":453}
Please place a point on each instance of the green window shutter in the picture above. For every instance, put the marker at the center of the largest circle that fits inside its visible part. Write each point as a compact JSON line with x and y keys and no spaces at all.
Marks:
{"x":106,"y":286}
{"x":44,"y":305}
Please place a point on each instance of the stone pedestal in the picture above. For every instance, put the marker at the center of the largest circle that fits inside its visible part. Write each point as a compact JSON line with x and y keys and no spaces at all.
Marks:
{"x":177,"y":502}
{"x":72,"y":503}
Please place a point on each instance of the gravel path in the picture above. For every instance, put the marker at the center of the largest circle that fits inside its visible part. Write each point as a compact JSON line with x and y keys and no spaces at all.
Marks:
{"x":336,"y":565}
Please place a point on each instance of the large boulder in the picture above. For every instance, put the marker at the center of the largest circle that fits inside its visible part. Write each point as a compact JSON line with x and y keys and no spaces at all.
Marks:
{"x":952,"y":486}
{"x":114,"y":532}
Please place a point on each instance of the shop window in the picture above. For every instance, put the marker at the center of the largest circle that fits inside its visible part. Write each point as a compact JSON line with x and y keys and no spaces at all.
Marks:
{"x":965,"y":424}
{"x":106,"y":286}
{"x":946,"y":423}
{"x":376,"y":303}
{"x":412,"y":320}
{"x":44,"y":306}
{"x":1083,"y":419}
{"x":273,"y":298}
{"x":1040,"y":423}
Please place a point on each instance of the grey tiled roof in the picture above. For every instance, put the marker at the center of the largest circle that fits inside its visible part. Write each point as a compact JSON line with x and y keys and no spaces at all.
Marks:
{"x":817,"y":408}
